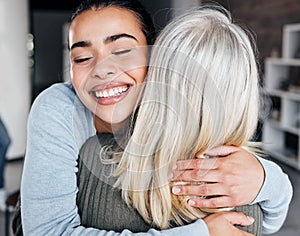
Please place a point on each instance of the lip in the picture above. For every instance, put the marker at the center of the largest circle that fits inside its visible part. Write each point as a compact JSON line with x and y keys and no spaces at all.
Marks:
{"x":110,"y":100}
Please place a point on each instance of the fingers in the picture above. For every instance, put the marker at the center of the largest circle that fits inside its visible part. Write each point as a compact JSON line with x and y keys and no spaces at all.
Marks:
{"x":218,"y":195}
{"x":222,"y":150}
{"x":239,"y":218}
{"x":228,"y":178}
{"x":215,"y":202}
{"x":197,"y":163}
{"x":196,"y":176}
{"x":199,"y":190}
{"x":207,"y":163}
{"x":223,"y":223}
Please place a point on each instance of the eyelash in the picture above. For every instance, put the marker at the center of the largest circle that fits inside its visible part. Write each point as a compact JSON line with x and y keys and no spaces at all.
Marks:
{"x":80,"y":60}
{"x":122,"y":52}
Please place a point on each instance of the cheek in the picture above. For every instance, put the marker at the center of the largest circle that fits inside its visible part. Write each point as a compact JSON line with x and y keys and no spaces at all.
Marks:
{"x":78,"y":78}
{"x":135,"y":65}
{"x":138,"y":74}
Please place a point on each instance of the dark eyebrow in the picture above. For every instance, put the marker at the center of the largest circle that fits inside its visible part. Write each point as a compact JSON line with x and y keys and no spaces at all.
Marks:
{"x":113,"y":38}
{"x":81,"y":44}
{"x":109,"y":39}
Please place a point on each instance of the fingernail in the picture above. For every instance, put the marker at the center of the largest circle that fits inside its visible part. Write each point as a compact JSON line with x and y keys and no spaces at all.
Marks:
{"x":191,"y":202}
{"x":251,"y":219}
{"x":175,"y":190}
{"x":174,"y":167}
{"x":171,"y":176}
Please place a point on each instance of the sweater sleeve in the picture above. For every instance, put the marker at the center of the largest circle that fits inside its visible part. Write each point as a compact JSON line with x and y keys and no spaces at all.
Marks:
{"x":198,"y":228}
{"x":49,"y":182}
{"x":274,"y":197}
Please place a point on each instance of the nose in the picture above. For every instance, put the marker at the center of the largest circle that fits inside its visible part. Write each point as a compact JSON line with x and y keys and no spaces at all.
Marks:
{"x":104,"y":69}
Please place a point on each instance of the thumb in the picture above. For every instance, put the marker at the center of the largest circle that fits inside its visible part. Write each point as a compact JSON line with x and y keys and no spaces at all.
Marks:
{"x":239,"y":218}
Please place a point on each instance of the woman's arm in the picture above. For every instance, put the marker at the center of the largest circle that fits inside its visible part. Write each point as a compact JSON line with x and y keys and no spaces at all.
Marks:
{"x":274,"y":197}
{"x":214,"y":225}
{"x":56,"y":126}
{"x":239,"y":179}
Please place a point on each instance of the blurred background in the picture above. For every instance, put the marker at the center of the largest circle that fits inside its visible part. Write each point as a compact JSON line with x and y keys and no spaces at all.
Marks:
{"x":33,"y":45}
{"x":33,"y":56}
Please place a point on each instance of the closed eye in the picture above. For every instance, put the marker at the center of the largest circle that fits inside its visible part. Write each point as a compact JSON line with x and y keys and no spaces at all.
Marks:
{"x":80,"y":60}
{"x":121,"y":52}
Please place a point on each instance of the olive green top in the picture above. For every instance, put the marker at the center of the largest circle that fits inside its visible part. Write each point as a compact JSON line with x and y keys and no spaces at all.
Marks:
{"x":101,"y":205}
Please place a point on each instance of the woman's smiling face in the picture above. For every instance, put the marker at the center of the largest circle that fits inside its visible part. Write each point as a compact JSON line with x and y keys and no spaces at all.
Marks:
{"x":108,"y":61}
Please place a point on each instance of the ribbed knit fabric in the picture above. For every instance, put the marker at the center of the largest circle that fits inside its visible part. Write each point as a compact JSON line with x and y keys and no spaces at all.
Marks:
{"x":256,"y":213}
{"x":101,"y":205}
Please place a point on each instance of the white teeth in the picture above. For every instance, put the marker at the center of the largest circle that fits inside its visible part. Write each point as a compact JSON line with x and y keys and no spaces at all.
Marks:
{"x":111,"y":92}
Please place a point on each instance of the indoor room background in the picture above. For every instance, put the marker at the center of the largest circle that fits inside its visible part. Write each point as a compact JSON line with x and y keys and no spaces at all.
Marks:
{"x":33,"y":49}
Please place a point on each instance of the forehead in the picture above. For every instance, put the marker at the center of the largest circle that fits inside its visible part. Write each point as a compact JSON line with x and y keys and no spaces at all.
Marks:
{"x":103,"y":22}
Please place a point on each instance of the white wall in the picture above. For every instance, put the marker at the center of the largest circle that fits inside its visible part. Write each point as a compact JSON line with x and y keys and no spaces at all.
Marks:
{"x":14,"y":72}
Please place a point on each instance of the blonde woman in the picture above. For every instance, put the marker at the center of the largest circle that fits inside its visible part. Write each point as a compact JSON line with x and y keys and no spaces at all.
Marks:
{"x":202,"y":91}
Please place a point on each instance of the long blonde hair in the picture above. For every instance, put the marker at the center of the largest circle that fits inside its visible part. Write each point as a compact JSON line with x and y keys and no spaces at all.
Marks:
{"x":202,"y":91}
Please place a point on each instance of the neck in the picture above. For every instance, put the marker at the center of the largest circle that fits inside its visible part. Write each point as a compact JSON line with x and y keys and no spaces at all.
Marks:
{"x":104,"y":127}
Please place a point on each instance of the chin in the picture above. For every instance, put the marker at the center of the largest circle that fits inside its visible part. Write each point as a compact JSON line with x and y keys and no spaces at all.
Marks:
{"x":118,"y":120}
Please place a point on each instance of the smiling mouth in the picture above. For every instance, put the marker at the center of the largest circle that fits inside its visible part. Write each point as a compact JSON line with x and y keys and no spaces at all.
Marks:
{"x":111,"y":92}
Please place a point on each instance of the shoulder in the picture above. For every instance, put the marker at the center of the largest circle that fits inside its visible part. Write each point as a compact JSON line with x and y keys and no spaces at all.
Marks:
{"x":60,"y":104}
{"x":58,"y":110}
{"x":61,"y":99}
{"x":62,"y":94}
